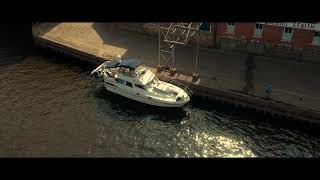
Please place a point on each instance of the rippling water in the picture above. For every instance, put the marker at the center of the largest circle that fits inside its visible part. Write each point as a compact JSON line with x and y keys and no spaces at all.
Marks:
{"x":51,"y":106}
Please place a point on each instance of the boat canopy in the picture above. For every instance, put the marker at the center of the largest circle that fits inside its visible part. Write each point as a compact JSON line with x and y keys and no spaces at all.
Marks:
{"x":128,"y":63}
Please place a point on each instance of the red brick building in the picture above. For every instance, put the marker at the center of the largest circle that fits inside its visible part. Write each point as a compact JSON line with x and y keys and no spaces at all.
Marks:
{"x":293,"y":35}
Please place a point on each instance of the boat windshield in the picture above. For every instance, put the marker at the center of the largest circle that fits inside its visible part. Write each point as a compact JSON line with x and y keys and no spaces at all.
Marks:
{"x":154,"y":82}
{"x":141,"y":71}
{"x":127,"y":72}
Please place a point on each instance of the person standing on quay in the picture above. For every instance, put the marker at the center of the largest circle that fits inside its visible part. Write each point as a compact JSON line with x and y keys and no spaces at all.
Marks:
{"x":268,"y":90}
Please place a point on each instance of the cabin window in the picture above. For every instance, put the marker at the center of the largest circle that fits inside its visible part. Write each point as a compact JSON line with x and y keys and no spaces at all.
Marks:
{"x":109,"y":84}
{"x":258,"y":30}
{"x":230,"y":27}
{"x":287,"y":34}
{"x":129,"y":84}
{"x":139,"y":86}
{"x":120,"y":81}
{"x":316,"y":38}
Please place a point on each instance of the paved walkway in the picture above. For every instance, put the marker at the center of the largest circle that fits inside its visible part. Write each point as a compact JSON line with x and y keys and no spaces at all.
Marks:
{"x":293,"y":83}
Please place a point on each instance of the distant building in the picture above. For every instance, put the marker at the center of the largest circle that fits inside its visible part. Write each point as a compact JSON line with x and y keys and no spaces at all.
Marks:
{"x":296,"y":35}
{"x":297,"y":40}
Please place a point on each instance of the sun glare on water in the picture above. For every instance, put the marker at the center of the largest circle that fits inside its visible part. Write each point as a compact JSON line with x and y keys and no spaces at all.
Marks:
{"x":209,"y":145}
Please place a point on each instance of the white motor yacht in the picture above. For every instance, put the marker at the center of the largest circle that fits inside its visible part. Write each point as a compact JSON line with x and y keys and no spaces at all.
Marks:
{"x":130,"y":79}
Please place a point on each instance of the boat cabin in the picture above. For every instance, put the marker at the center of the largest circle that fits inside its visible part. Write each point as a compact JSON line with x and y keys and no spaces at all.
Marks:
{"x":130,"y":71}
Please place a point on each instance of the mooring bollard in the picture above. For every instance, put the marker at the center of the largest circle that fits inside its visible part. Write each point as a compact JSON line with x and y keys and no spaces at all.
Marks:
{"x":159,"y":69}
{"x":172,"y":71}
{"x":195,"y":77}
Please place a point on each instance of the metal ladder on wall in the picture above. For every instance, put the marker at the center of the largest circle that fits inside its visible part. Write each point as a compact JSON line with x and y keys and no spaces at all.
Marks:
{"x":172,"y":34}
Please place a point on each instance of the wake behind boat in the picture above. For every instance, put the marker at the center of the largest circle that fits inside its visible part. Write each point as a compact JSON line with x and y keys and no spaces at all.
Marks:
{"x":130,"y":79}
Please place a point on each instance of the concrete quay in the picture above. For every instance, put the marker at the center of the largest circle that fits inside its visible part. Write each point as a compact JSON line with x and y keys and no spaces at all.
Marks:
{"x":230,"y":78}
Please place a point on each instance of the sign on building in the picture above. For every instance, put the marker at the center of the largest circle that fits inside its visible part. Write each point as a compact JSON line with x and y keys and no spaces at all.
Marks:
{"x":297,"y":25}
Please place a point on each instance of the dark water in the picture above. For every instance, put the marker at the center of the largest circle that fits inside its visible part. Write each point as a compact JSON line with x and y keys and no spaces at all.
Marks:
{"x":51,"y":106}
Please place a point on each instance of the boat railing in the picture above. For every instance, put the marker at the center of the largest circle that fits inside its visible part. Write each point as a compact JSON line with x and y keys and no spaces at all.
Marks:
{"x":181,"y":85}
{"x":99,"y":67}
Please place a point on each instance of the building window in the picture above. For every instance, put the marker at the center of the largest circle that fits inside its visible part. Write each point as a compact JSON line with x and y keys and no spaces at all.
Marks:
{"x":129,"y":84}
{"x":258,"y":30}
{"x":230,"y":27}
{"x":316,"y":38}
{"x":287,"y":34}
{"x":205,"y":26}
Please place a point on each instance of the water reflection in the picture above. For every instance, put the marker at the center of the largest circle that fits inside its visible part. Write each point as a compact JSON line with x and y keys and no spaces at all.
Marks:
{"x":189,"y":135}
{"x":196,"y":143}
{"x":138,"y":130}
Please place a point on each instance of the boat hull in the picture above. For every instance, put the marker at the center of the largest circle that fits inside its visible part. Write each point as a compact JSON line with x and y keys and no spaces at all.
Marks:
{"x":142,"y":99}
